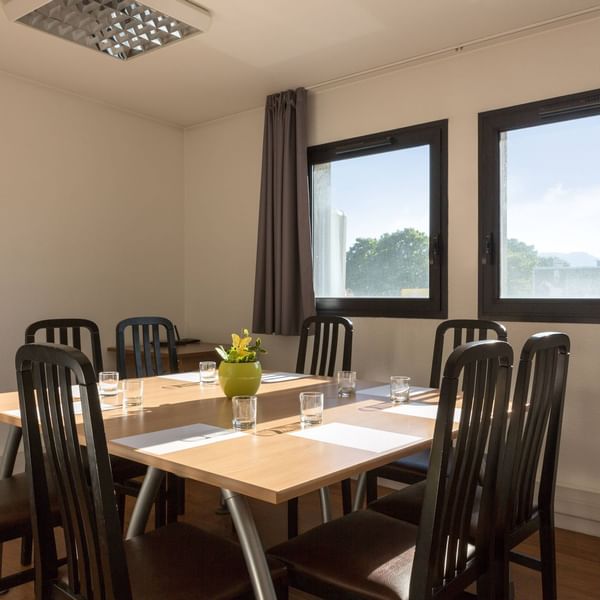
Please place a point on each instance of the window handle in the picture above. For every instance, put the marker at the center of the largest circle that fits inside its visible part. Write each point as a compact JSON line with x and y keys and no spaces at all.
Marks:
{"x":488,"y":250}
{"x":434,"y":250}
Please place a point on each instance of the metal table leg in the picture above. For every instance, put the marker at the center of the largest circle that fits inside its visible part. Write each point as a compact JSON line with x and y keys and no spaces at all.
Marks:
{"x":10,"y":451}
{"x":325,"y":504}
{"x":143,"y":504}
{"x":361,"y":488}
{"x":256,"y":561}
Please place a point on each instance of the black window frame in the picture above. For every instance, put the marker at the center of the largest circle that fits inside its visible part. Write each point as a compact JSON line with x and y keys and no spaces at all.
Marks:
{"x":491,"y":125}
{"x":435,"y":135}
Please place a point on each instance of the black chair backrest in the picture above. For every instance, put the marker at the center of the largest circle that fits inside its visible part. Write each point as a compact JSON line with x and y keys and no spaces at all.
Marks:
{"x":463,"y":331}
{"x":444,"y":549}
{"x":68,"y":333}
{"x":325,"y":345}
{"x":96,"y":564}
{"x":535,"y":424}
{"x":147,"y":358}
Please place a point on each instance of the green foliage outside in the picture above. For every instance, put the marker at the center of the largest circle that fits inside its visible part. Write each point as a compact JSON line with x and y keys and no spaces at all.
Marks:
{"x":398,"y":261}
{"x":389,"y":264}
{"x":521,"y":260}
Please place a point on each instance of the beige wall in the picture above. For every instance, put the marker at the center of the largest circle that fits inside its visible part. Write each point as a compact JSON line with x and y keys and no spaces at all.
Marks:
{"x":92,"y":214}
{"x":222,"y":180}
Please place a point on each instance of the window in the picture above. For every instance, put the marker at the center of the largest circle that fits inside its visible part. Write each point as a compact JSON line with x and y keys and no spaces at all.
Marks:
{"x":379,"y":223}
{"x":539,"y":211}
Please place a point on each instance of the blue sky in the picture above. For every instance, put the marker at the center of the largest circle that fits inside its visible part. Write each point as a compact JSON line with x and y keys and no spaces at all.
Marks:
{"x":553,"y":188}
{"x":382,"y":193}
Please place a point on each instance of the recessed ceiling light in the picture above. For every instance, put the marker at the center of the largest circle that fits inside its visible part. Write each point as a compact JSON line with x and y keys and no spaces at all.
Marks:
{"x":122,"y":29}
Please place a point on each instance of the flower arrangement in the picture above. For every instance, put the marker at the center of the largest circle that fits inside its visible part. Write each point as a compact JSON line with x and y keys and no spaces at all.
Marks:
{"x":242,"y":350}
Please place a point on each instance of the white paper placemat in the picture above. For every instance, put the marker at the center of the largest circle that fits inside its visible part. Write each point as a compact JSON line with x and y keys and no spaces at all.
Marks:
{"x":383,"y":391}
{"x":76,"y":409}
{"x":280,"y":376}
{"x":191,"y":376}
{"x":354,"y":436}
{"x":178,"y":438}
{"x":425,"y":411}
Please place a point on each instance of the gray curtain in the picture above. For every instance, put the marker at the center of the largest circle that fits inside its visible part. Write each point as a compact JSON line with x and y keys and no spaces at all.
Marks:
{"x":283,"y":287}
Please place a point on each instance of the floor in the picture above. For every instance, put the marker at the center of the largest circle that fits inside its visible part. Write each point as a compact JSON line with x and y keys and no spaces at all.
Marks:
{"x":578,"y":555}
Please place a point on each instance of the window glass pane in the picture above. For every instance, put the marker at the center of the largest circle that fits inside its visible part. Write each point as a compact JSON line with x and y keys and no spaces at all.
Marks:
{"x":371,"y":225}
{"x":550,"y":210}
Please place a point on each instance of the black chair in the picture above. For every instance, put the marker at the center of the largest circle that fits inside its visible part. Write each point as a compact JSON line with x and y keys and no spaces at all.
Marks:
{"x":533,"y":436}
{"x":369,"y":555}
{"x":82,"y":333}
{"x":322,"y":361}
{"x":15,"y":514}
{"x":453,"y":333}
{"x":145,"y":334}
{"x":326,"y":333}
{"x":68,"y":332}
{"x":177,"y":561}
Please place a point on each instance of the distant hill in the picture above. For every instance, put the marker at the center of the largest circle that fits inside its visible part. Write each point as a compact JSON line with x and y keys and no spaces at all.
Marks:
{"x":575,"y":259}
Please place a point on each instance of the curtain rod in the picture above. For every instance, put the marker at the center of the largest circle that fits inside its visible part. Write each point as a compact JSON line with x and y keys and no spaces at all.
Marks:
{"x":576,"y":16}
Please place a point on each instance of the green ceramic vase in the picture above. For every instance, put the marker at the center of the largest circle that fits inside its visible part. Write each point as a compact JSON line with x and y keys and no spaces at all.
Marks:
{"x":239,"y":379}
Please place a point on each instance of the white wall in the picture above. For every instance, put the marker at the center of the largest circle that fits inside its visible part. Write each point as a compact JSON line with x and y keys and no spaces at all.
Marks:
{"x":222,"y":179}
{"x":92,"y":215}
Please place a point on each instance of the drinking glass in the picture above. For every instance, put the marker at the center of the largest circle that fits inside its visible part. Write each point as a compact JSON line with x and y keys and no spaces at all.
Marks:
{"x":208,"y":371}
{"x":109,"y":383}
{"x":346,"y":382}
{"x":311,"y":408}
{"x":133,"y":393}
{"x":244,"y":412}
{"x":399,"y":388}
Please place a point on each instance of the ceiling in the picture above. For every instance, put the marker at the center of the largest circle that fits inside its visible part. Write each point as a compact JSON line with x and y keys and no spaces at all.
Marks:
{"x":255,"y":48}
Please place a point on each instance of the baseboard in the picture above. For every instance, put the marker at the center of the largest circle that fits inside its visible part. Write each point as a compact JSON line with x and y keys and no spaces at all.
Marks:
{"x":574,"y":509}
{"x":577,"y":510}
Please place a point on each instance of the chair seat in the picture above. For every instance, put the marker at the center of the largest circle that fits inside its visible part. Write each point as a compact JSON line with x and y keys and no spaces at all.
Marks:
{"x":181,"y":562}
{"x":123,"y":469}
{"x":15,"y":513}
{"x":15,"y":516}
{"x":362,"y":555}
{"x":405,"y":504}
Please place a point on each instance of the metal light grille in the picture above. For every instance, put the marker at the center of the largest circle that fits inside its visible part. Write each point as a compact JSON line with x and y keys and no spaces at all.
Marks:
{"x":120,"y":29}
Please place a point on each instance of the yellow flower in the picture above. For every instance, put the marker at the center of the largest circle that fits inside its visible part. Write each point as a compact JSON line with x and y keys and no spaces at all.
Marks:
{"x":241,"y":344}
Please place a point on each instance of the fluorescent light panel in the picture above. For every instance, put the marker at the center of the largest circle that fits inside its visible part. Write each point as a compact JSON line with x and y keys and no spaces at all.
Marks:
{"x":122,"y":30}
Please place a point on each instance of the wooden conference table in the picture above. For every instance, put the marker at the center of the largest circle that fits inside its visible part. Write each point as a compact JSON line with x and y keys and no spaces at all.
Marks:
{"x":184,"y":428}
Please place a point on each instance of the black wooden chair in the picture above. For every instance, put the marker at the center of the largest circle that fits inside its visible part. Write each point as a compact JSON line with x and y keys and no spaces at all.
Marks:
{"x":448,"y":336}
{"x":15,"y":515}
{"x":69,"y":333}
{"x":369,"y":555}
{"x":84,"y":334}
{"x":145,"y":334}
{"x":176,"y":561}
{"x":533,"y":436}
{"x":325,"y":331}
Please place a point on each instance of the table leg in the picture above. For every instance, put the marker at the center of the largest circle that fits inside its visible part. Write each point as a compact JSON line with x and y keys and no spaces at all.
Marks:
{"x":325,"y":504}
{"x":256,"y":561}
{"x":10,"y":451}
{"x":143,"y":504}
{"x":361,"y":488}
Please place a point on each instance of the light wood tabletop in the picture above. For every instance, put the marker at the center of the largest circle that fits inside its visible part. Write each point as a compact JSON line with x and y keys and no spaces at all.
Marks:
{"x":274,"y":462}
